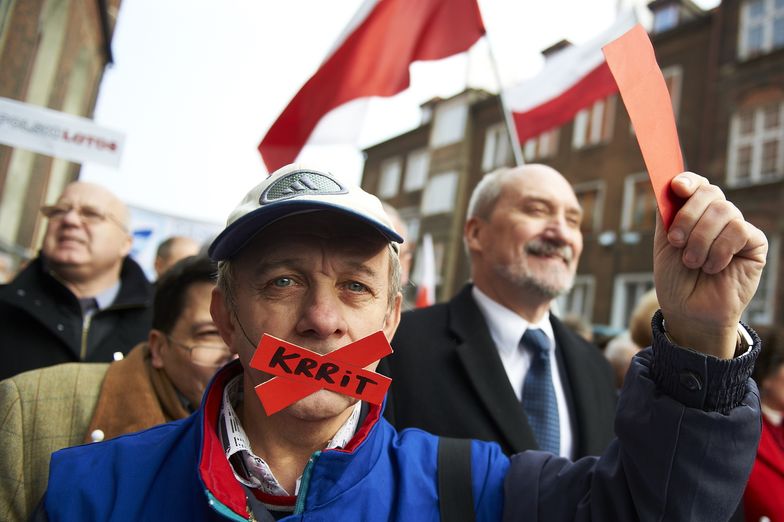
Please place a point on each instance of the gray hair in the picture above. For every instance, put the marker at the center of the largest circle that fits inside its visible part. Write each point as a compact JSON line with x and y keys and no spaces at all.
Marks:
{"x":227,"y":279}
{"x":486,"y":193}
{"x":484,"y":197}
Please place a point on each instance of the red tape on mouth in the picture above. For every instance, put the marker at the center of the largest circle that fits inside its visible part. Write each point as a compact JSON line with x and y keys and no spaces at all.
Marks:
{"x":299,"y":372}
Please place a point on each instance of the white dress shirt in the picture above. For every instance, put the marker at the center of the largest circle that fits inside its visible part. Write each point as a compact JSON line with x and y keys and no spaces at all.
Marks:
{"x":507,"y":329}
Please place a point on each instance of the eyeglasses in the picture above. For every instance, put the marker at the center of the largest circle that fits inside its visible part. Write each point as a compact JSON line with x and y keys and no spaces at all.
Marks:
{"x":87,"y":213}
{"x":212,"y":356}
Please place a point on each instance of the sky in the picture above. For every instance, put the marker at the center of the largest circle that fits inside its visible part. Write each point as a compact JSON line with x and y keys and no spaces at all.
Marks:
{"x":197,"y":83}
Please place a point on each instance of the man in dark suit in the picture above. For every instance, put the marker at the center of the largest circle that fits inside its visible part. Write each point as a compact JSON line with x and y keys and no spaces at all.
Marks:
{"x":493,"y":363}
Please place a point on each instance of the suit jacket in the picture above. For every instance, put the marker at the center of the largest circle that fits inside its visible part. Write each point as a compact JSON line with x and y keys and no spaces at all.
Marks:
{"x":449,"y":379}
{"x":45,"y":410}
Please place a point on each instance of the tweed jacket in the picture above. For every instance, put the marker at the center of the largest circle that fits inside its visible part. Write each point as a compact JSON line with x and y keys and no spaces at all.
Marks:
{"x":41,"y":411}
{"x":48,"y":409}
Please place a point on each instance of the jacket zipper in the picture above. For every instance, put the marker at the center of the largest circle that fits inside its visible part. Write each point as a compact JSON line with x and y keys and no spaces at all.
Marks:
{"x":304,"y":484}
{"x":86,"y":327}
{"x":85,"y":331}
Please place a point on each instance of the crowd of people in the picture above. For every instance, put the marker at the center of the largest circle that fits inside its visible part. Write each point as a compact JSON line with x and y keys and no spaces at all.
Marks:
{"x":517,"y":413}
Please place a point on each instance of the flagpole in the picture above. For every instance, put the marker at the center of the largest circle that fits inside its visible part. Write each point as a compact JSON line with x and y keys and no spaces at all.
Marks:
{"x":516,"y":148}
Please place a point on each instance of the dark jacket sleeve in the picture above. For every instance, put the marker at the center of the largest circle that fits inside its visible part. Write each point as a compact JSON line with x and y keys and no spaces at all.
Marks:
{"x":687,"y":430}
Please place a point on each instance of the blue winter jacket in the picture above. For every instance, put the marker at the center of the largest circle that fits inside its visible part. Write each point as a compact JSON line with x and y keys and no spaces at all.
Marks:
{"x":178,"y":471}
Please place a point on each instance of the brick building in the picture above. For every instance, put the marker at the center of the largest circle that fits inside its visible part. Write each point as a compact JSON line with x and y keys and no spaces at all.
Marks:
{"x":52,"y":54}
{"x":725,"y":72}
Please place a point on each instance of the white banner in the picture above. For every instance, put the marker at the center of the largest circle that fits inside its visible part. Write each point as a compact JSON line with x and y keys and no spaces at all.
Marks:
{"x":58,"y":134}
{"x":150,"y":228}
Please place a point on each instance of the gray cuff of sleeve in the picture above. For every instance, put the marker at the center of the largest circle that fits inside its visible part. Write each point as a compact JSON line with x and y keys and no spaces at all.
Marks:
{"x":698,"y":380}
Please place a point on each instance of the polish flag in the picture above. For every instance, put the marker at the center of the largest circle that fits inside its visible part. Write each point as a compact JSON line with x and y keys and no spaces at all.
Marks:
{"x":371,"y":58}
{"x":426,"y":263}
{"x":570,"y":81}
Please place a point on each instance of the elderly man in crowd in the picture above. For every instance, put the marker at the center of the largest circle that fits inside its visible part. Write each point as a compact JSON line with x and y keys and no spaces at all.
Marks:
{"x":313,"y":261}
{"x":551,"y":389}
{"x":82,"y":298}
{"x":172,"y":250}
{"x":163,"y":379}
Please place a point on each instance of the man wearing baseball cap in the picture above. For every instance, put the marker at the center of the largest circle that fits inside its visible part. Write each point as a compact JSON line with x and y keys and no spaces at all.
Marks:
{"x":313,"y":261}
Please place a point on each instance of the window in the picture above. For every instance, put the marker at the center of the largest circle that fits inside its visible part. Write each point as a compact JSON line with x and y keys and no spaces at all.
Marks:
{"x":673,"y":77}
{"x":543,"y":146}
{"x":390,"y":178}
{"x":628,"y":290}
{"x":439,"y":196}
{"x":498,"y":150}
{"x":579,"y":300}
{"x":594,"y":125}
{"x":412,"y":224}
{"x":417,"y":164}
{"x":410,"y":217}
{"x":439,"y":257}
{"x":449,"y":122}
{"x":665,"y":18}
{"x":761,"y":307}
{"x":591,"y":198}
{"x":761,"y":27}
{"x":756,"y":152}
{"x":639,"y":204}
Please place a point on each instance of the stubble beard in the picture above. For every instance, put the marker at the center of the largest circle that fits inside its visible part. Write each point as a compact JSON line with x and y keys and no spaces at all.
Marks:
{"x":522,"y":277}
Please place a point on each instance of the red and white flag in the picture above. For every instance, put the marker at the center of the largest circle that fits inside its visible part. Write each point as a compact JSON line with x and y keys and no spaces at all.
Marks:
{"x":426,"y":280}
{"x":570,"y":81}
{"x":371,"y":58}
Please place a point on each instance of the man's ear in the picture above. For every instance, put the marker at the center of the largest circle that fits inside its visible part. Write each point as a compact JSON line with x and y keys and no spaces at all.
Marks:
{"x":392,"y":319}
{"x":157,"y":340}
{"x":472,"y":233}
{"x":125,"y":249}
{"x":158,"y":265}
{"x":222,"y":315}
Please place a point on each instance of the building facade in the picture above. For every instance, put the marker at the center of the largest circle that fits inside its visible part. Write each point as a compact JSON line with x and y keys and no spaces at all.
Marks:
{"x":52,"y":54}
{"x":725,"y":72}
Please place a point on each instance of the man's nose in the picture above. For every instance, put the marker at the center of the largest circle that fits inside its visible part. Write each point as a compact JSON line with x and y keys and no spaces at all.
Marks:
{"x":558,"y":228}
{"x":72,"y":217}
{"x":321,"y":316}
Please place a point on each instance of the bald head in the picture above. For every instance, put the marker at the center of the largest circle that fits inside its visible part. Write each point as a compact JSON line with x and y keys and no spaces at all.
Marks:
{"x":87,"y":237}
{"x":99,"y":196}
{"x":172,"y":250}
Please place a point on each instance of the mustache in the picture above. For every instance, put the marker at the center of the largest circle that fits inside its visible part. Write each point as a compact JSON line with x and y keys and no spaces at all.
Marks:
{"x":546,"y":247}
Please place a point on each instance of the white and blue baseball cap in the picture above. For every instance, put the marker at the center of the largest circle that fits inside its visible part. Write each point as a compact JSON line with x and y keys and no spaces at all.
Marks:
{"x":295,"y":189}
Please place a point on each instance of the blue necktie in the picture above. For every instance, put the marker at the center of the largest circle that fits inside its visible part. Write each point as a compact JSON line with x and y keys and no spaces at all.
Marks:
{"x":539,"y":400}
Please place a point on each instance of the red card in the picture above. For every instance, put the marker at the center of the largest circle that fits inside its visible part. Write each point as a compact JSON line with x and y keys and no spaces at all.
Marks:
{"x":300,"y":372}
{"x":633,"y":64}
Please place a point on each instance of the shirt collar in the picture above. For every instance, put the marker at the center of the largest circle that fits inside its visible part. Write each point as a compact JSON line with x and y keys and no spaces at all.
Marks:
{"x":255,"y":472}
{"x":107,"y":297}
{"x":507,"y":327}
